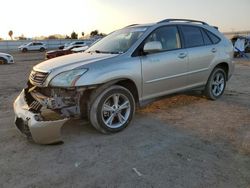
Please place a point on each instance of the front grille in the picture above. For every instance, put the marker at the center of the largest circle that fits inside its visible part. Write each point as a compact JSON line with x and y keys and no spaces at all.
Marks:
{"x":38,"y":78}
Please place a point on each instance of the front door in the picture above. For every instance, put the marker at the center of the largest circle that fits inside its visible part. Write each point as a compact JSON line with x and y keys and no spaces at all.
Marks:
{"x":164,"y":71}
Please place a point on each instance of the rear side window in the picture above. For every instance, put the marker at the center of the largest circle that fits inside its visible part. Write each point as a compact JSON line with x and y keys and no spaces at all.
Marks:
{"x":79,"y":42}
{"x":192,"y":36}
{"x":213,"y":37}
{"x":37,"y":43}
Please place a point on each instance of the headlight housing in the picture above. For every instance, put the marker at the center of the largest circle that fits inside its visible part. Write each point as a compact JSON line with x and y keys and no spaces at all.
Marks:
{"x":68,"y":78}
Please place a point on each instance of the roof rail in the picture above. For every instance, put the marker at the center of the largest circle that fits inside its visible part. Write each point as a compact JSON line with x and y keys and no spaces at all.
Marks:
{"x":131,"y":25}
{"x":182,"y":20}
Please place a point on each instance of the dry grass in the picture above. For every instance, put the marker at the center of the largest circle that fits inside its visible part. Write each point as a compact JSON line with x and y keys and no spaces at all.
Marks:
{"x":210,"y":119}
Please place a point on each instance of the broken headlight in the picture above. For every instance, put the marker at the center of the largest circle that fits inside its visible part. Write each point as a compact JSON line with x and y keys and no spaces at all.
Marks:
{"x":68,"y":78}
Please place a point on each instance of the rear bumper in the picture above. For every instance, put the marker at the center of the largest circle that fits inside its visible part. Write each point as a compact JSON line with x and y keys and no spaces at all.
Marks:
{"x":33,"y":126}
{"x":231,"y":69}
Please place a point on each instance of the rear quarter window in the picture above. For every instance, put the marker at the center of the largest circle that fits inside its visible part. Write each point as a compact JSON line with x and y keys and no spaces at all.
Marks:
{"x":207,"y":40}
{"x":213,"y":37}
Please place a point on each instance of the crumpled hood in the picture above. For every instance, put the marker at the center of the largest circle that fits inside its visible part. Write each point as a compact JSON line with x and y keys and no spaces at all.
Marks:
{"x":71,"y":61}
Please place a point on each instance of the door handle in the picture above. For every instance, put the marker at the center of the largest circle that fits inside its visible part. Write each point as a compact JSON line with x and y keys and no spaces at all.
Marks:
{"x":214,"y":50}
{"x":182,"y":55}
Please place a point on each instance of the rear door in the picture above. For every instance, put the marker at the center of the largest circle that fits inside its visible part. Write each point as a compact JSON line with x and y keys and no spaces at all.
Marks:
{"x":36,"y":46}
{"x":202,"y":52}
{"x":31,"y":46}
{"x":164,"y":71}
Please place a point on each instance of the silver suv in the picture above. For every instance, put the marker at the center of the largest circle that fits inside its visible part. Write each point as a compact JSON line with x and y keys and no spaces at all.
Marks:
{"x":123,"y":70}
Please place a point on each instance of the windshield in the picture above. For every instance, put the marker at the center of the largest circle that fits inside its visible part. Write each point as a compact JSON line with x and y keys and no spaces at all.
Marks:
{"x":119,"y":41}
{"x":68,"y":47}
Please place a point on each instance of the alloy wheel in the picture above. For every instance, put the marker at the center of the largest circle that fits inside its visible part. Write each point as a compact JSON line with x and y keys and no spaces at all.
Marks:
{"x":218,"y":84}
{"x":116,"y":110}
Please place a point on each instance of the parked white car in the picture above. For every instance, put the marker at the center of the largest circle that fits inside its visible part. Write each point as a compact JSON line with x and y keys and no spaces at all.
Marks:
{"x":75,"y":43}
{"x":32,"y":46}
{"x":6,"y":58}
{"x":78,"y":43}
{"x":80,"y":49}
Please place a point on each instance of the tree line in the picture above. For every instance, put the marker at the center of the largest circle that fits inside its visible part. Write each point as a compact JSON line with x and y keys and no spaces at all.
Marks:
{"x":73,"y":35}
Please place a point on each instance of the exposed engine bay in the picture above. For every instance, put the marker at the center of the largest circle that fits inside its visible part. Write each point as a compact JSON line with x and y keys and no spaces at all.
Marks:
{"x":65,"y":102}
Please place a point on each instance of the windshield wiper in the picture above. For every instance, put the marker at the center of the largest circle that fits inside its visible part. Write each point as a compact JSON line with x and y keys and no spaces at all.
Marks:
{"x":104,"y":52}
{"x":95,"y":51}
{"x":116,"y":52}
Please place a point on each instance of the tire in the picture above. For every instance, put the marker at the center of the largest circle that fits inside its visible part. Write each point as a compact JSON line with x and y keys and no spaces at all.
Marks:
{"x":42,"y":49}
{"x":216,"y":84}
{"x":3,"y":61}
{"x":115,"y":116}
{"x":24,"y":50}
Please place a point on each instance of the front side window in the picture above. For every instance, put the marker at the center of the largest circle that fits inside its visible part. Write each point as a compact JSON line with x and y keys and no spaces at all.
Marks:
{"x":168,"y":37}
{"x":192,"y":36}
{"x":119,"y":41}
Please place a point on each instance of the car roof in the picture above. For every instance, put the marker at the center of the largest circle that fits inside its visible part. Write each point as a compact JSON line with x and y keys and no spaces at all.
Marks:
{"x":171,"y":22}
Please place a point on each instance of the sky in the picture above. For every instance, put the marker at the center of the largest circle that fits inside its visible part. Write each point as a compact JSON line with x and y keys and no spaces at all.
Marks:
{"x":46,"y":17}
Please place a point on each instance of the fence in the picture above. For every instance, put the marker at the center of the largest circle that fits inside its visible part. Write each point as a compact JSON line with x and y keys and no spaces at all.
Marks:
{"x":233,"y":33}
{"x":9,"y":45}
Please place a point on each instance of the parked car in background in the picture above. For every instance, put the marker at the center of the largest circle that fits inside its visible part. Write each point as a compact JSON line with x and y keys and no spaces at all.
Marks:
{"x":6,"y":58}
{"x":241,"y":43}
{"x":80,"y":49}
{"x":32,"y":46}
{"x":56,"y":53}
{"x":126,"y":69}
{"x":75,"y":43}
{"x":63,"y":46}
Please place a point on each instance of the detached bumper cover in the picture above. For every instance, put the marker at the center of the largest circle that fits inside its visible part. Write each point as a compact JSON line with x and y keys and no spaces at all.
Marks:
{"x":42,"y":132}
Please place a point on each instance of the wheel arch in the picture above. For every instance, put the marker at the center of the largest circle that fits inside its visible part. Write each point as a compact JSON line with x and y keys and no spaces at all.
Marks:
{"x":124,"y":82}
{"x":4,"y":60}
{"x":225,"y":67}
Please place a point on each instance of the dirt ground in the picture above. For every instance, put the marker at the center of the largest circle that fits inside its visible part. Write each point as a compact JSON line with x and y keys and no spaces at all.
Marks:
{"x":183,"y":140}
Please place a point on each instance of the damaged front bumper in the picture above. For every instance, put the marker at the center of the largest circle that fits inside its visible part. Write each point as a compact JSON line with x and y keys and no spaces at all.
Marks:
{"x":36,"y":126}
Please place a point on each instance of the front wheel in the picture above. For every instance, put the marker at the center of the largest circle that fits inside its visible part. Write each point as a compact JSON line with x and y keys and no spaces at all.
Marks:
{"x":3,"y":61}
{"x":112,"y":109}
{"x":24,"y":50}
{"x":216,"y":84}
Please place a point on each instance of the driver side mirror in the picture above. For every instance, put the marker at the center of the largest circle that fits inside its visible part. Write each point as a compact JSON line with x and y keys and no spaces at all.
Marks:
{"x":151,"y":47}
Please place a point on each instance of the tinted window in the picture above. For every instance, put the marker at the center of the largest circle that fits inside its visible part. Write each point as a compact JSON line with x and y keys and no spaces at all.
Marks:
{"x":213,"y":37}
{"x":167,"y":36}
{"x":118,"y":41}
{"x":79,"y":42}
{"x":37,"y":43}
{"x":206,"y":39}
{"x":192,"y":36}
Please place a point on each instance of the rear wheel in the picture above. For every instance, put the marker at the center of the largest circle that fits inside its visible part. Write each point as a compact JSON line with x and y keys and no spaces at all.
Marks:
{"x":112,"y":109}
{"x":216,"y":84}
{"x":42,"y":49}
